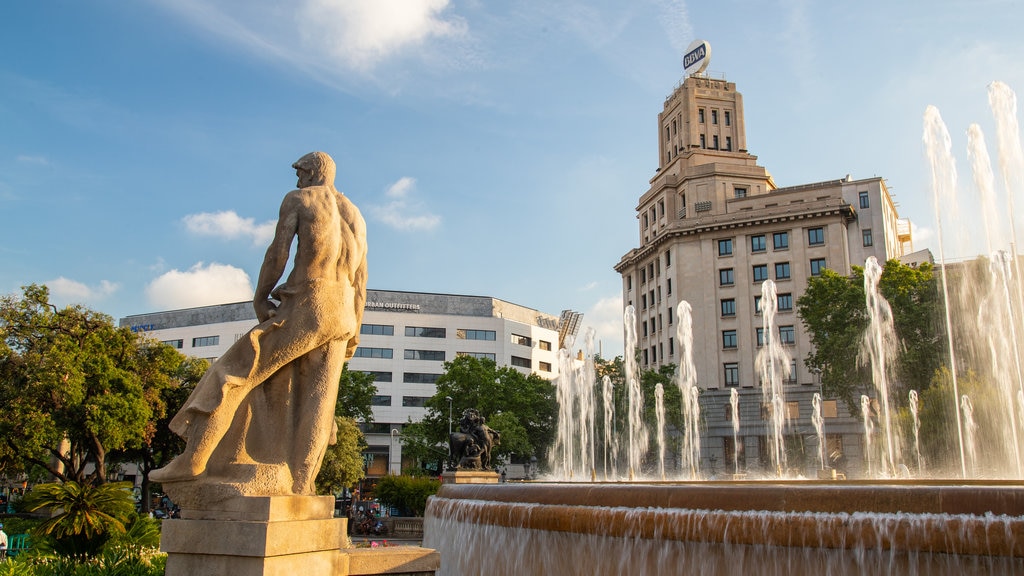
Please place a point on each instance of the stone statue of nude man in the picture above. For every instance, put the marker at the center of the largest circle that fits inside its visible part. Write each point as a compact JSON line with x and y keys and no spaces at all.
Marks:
{"x":263,"y":414}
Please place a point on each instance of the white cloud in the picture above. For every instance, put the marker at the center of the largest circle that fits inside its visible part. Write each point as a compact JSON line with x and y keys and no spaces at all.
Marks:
{"x":605,"y":317}
{"x":361,"y":33}
{"x":37,"y":160}
{"x":229,"y":225}
{"x":403,"y":212}
{"x":199,"y":286}
{"x":335,"y":36}
{"x":68,"y":291}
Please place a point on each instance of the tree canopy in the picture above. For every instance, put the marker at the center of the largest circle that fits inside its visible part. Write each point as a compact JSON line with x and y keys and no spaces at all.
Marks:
{"x":834,"y":311}
{"x":524,"y":405}
{"x":74,"y":387}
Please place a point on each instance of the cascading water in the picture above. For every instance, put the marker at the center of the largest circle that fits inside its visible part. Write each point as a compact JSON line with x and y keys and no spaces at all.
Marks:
{"x":878,"y":350}
{"x":970,"y":430}
{"x":688,"y":391}
{"x":773,"y":366}
{"x":819,"y":427}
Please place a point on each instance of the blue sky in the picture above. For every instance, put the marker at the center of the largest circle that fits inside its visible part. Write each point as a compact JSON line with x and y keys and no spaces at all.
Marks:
{"x":495,"y":148}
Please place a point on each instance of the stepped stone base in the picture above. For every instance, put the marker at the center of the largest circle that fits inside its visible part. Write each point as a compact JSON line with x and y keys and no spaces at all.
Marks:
{"x":278,"y":536}
{"x":257,"y":536}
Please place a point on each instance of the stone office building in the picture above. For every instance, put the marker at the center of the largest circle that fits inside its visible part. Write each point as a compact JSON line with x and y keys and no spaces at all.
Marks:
{"x":713,"y":226}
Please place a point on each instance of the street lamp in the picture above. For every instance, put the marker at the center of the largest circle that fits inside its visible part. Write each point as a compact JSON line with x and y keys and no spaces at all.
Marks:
{"x":394,"y":436}
{"x":449,"y":399}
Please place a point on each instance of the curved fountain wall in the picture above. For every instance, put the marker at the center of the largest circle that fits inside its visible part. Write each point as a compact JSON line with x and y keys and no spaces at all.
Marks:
{"x":728,"y":528}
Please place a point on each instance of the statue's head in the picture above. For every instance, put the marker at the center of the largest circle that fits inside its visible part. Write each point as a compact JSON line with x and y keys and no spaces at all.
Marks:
{"x":315,"y":169}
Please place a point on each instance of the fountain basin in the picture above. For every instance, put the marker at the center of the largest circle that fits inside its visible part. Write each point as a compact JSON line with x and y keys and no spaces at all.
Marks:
{"x":765,"y":527}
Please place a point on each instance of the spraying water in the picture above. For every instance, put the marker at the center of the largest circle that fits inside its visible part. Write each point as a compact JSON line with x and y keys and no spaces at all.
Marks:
{"x":688,"y":391}
{"x":938,"y":147}
{"x":819,"y":427}
{"x":611,"y":440}
{"x":734,"y":403}
{"x":970,"y":428}
{"x":659,"y":410}
{"x":637,"y":447}
{"x":773,"y":363}
{"x":878,"y":349}
{"x":914,"y":411}
{"x":869,"y":430}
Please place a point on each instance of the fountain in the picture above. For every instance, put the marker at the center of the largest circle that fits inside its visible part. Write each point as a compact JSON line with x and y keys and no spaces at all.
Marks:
{"x":885,"y":524}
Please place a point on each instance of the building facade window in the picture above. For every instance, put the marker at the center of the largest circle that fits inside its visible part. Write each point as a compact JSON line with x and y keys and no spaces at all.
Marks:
{"x":815,"y":236}
{"x":780,"y":240}
{"x":205,"y":341}
{"x":757,"y":243}
{"x":785,"y":301}
{"x":544,"y":345}
{"x":760,"y":337}
{"x":365,"y":352}
{"x":782,"y":270}
{"x":732,"y":374}
{"x":729,"y":307}
{"x":414,"y":401}
{"x":787,"y":335}
{"x":424,"y":355}
{"x":522,"y":340}
{"x":728,"y":339}
{"x":668,"y":286}
{"x":379,"y":400}
{"x":478,"y":355}
{"x":703,"y":141}
{"x":738,"y":192}
{"x":379,"y":376}
{"x":725,"y":277}
{"x":866,"y":234}
{"x":419,"y":378}
{"x":757,"y":304}
{"x":521,"y":362}
{"x":377,"y":329}
{"x":817,"y":265}
{"x":466,"y":334}
{"x":544,"y":366}
{"x":424,"y":332}
{"x":725,"y":247}
{"x":668,"y":258}
{"x":760,"y":272}
{"x":728,"y":120}
{"x":865,"y":202}
{"x":700,"y":115}
{"x":728,"y":143}
{"x":175,"y":343}
{"x":714,"y":116}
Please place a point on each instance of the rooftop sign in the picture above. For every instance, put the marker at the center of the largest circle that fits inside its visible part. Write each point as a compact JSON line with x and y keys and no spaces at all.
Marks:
{"x":697,"y":58}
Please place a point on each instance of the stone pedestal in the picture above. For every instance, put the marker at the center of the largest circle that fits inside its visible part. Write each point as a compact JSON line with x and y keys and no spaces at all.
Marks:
{"x":257,"y":536}
{"x":470,"y":477}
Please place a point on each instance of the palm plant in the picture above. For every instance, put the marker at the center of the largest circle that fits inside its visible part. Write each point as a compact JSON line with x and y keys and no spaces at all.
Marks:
{"x":83,"y":515}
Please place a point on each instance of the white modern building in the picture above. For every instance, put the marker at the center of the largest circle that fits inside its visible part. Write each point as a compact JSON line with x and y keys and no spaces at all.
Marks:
{"x":406,"y":337}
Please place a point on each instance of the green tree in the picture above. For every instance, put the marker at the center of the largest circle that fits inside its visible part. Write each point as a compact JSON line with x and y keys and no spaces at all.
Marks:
{"x":82,"y":516}
{"x":355,"y":395}
{"x":70,"y":387}
{"x":834,"y":311}
{"x":343,"y":463}
{"x":479,"y":383}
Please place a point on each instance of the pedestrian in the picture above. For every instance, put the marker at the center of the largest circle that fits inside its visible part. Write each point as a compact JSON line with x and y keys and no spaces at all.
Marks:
{"x":3,"y":543}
